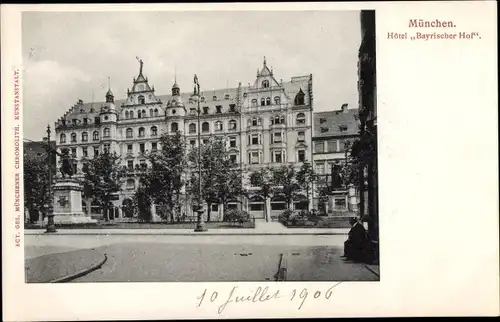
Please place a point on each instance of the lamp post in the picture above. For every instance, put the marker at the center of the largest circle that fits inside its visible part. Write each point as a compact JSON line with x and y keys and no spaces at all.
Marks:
{"x":200,"y":225}
{"x":51,"y":228}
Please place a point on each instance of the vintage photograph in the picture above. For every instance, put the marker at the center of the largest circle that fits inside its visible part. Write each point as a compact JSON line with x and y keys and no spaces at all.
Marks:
{"x":200,"y":146}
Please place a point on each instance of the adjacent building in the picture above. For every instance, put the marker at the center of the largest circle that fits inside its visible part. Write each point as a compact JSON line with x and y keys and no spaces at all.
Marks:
{"x":266,"y":123}
{"x":334,"y":132}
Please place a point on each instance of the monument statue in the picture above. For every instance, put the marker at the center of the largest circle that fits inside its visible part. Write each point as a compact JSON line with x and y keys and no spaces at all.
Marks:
{"x":67,"y":163}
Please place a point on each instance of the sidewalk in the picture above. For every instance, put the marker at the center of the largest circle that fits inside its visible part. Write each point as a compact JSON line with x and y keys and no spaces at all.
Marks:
{"x":261,"y":228}
{"x":324,"y":265}
{"x":52,"y":268}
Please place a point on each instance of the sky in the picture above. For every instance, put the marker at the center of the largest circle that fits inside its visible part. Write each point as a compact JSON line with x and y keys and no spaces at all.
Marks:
{"x":70,"y":55}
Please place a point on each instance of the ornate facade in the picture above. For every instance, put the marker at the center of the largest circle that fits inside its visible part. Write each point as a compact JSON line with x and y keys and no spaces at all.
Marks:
{"x":267,"y":123}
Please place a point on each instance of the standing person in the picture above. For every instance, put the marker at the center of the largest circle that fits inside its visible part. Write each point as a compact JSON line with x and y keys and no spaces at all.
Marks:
{"x":356,"y":245}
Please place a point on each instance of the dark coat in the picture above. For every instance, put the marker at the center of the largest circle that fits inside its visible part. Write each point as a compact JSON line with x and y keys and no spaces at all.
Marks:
{"x":357,"y":245}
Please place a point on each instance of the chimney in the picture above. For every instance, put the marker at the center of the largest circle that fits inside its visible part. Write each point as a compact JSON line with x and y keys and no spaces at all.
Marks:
{"x":344,"y":108}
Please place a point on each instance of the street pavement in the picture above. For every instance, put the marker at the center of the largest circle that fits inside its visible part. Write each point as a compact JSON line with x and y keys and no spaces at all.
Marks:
{"x":168,"y":258}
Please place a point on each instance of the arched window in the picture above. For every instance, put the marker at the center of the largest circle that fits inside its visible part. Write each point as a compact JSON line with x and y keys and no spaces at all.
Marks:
{"x":154,"y":131}
{"x":256,"y":203}
{"x":139,"y":114}
{"x":95,"y":136}
{"x":218,"y":126}
{"x":262,"y":101}
{"x":299,"y":98}
{"x":205,"y":127}
{"x":141,"y":100}
{"x":131,"y":114}
{"x":130,"y":133}
{"x":73,"y":137}
{"x":254,"y":102}
{"x":282,"y":120}
{"x":265,"y":83}
{"x":130,"y":184}
{"x":192,"y":128}
{"x":277,"y":100}
{"x":85,"y":137}
{"x":300,"y":202}
{"x":151,"y":113}
{"x":156,"y":112}
{"x":255,"y":121}
{"x":62,"y":138}
{"x":127,"y":115}
{"x":301,"y":119}
{"x":144,"y":113}
{"x":142,"y":132}
{"x":268,"y":101}
{"x":232,"y":125}
{"x":174,"y":127}
{"x":107,"y":132}
{"x":278,"y":203}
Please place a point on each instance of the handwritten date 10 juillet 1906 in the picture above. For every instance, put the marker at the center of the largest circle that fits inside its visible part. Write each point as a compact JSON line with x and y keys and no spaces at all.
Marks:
{"x":263,"y":294}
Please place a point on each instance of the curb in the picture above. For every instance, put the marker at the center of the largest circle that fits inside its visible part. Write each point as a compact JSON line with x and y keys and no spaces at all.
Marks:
{"x":371,"y":270}
{"x":282,"y":269}
{"x":191,"y":234}
{"x":80,"y":273}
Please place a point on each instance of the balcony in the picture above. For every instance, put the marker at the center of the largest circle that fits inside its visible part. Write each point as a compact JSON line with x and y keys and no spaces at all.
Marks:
{"x":255,"y":128}
{"x":277,"y":126}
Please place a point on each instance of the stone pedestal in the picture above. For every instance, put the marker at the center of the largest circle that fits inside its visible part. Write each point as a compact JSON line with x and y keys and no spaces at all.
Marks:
{"x":68,"y":203}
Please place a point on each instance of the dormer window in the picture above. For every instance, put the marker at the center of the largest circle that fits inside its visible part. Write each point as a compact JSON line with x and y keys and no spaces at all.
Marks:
{"x":265,"y":83}
{"x":218,"y":109}
{"x":324,"y":129}
{"x":73,"y":137}
{"x":245,"y":94}
{"x":141,"y":99}
{"x":205,"y":109}
{"x":277,"y":100}
{"x":214,"y":98}
{"x":92,"y":110}
{"x":192,"y":111}
{"x":85,"y":121}
{"x":299,"y":98}
{"x":74,"y":121}
{"x":262,"y":101}
{"x":82,"y":110}
{"x":254,"y":102}
{"x":226,"y":97}
{"x":343,"y":128}
{"x":203,"y":98}
{"x":322,"y":120}
{"x":232,"y":107}
{"x":301,"y":119}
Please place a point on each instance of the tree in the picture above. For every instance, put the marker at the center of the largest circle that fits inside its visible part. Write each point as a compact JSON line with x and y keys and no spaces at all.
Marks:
{"x":102,"y":178}
{"x":305,"y":177}
{"x":351,"y":168}
{"x":264,"y":181}
{"x":36,"y":185}
{"x":142,"y":202}
{"x":164,"y":180}
{"x":221,"y":179}
{"x":285,"y":181}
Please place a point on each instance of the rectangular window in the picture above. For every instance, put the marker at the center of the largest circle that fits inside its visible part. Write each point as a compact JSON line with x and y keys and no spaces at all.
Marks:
{"x":142,"y":148}
{"x":85,"y":152}
{"x":218,"y":109}
{"x":192,"y":142}
{"x":255,"y":139}
{"x":73,"y":152}
{"x":205,"y":109}
{"x":205,"y":141}
{"x":129,"y":148}
{"x":232,"y":108}
{"x":154,"y":146}
{"x":301,"y":136}
{"x":75,"y":121}
{"x":232,"y":158}
{"x":106,"y":147}
{"x":85,"y":121}
{"x":320,"y":167}
{"x":142,"y":164}
{"x":302,"y":155}
{"x":278,"y":157}
{"x":277,"y":137}
{"x":332,"y":145}
{"x":319,"y":147}
{"x":257,"y":207}
{"x":192,"y":111}
{"x":96,"y":151}
{"x":215,"y":207}
{"x":232,"y":142}
{"x":130,"y":164}
{"x":254,"y":157}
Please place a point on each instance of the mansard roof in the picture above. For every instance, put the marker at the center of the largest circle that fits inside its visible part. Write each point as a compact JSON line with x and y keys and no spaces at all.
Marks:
{"x":341,"y":122}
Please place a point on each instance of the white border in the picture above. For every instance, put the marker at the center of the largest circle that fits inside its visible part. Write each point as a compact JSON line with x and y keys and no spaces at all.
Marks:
{"x":437,"y":109}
